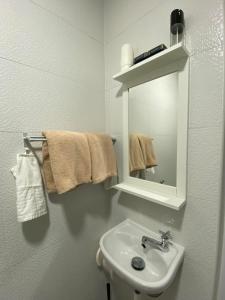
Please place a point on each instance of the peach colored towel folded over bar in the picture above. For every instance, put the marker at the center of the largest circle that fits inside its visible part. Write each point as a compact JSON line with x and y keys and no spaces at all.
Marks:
{"x":136,"y":160}
{"x":72,"y":158}
{"x":147,"y":151}
{"x":103,"y":157}
{"x":66,"y":160}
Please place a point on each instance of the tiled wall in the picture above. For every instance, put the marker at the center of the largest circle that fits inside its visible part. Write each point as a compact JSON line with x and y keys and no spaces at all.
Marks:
{"x":145,"y":24}
{"x":51,"y":77}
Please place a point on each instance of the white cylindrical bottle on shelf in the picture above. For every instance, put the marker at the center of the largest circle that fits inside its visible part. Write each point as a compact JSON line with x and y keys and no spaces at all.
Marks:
{"x":127,"y":57}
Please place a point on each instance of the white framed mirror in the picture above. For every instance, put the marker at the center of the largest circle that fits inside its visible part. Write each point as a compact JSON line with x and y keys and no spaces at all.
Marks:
{"x":155,"y":120}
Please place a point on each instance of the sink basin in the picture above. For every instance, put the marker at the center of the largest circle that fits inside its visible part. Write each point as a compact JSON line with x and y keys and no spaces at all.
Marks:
{"x":123,"y":242}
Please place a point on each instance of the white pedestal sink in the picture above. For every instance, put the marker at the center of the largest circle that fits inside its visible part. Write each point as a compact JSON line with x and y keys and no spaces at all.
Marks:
{"x":123,"y":242}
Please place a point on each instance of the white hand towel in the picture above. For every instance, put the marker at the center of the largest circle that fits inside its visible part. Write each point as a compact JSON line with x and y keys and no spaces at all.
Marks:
{"x":31,"y":199}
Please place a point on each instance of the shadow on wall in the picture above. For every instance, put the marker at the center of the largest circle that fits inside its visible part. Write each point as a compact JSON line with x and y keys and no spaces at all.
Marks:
{"x":85,"y":200}
{"x":35,"y":230}
{"x":77,"y":220}
{"x":153,"y":211}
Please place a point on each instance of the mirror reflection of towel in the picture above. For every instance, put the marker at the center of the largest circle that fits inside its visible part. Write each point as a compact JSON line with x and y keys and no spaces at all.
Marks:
{"x":142,"y":155}
{"x":147,"y":148}
{"x":136,"y":160}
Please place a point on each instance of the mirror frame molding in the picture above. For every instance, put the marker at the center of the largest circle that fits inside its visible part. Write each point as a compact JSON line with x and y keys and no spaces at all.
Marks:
{"x":174,"y":59}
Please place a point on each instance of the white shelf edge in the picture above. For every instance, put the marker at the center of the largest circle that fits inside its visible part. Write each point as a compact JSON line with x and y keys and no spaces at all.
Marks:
{"x":171,"y":202}
{"x":178,"y":51}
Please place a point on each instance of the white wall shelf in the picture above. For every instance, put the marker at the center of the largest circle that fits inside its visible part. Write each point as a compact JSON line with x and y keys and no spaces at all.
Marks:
{"x":165,"y":200}
{"x":166,"y":57}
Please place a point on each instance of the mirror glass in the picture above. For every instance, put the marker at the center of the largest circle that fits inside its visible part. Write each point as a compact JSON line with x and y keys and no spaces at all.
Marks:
{"x":153,"y":130}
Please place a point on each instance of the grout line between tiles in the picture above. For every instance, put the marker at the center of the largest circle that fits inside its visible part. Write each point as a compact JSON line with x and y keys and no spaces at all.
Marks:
{"x":134,"y":22}
{"x":206,"y":127}
{"x":50,"y":73}
{"x":64,"y":20}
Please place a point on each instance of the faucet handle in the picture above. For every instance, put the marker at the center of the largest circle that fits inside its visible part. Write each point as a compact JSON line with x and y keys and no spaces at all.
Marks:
{"x":166,"y":235}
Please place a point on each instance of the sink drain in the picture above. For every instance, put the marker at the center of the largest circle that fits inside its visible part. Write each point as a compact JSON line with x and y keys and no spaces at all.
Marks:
{"x":138,"y":263}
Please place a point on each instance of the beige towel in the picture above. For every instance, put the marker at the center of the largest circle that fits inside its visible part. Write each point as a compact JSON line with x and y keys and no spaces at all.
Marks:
{"x":66,"y":160}
{"x":47,"y":170}
{"x":136,"y":160}
{"x":103,"y":157}
{"x":147,"y":151}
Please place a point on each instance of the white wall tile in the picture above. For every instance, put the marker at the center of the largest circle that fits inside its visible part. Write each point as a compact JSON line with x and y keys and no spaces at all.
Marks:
{"x":31,"y":100}
{"x":85,"y":15}
{"x":120,"y":14}
{"x":206,"y":103}
{"x":107,"y":112}
{"x":204,"y":162}
{"x":32,"y":36}
{"x":116,"y":111}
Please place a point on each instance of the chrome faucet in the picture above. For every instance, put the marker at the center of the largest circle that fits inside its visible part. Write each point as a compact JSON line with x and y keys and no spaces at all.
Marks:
{"x":162,"y":245}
